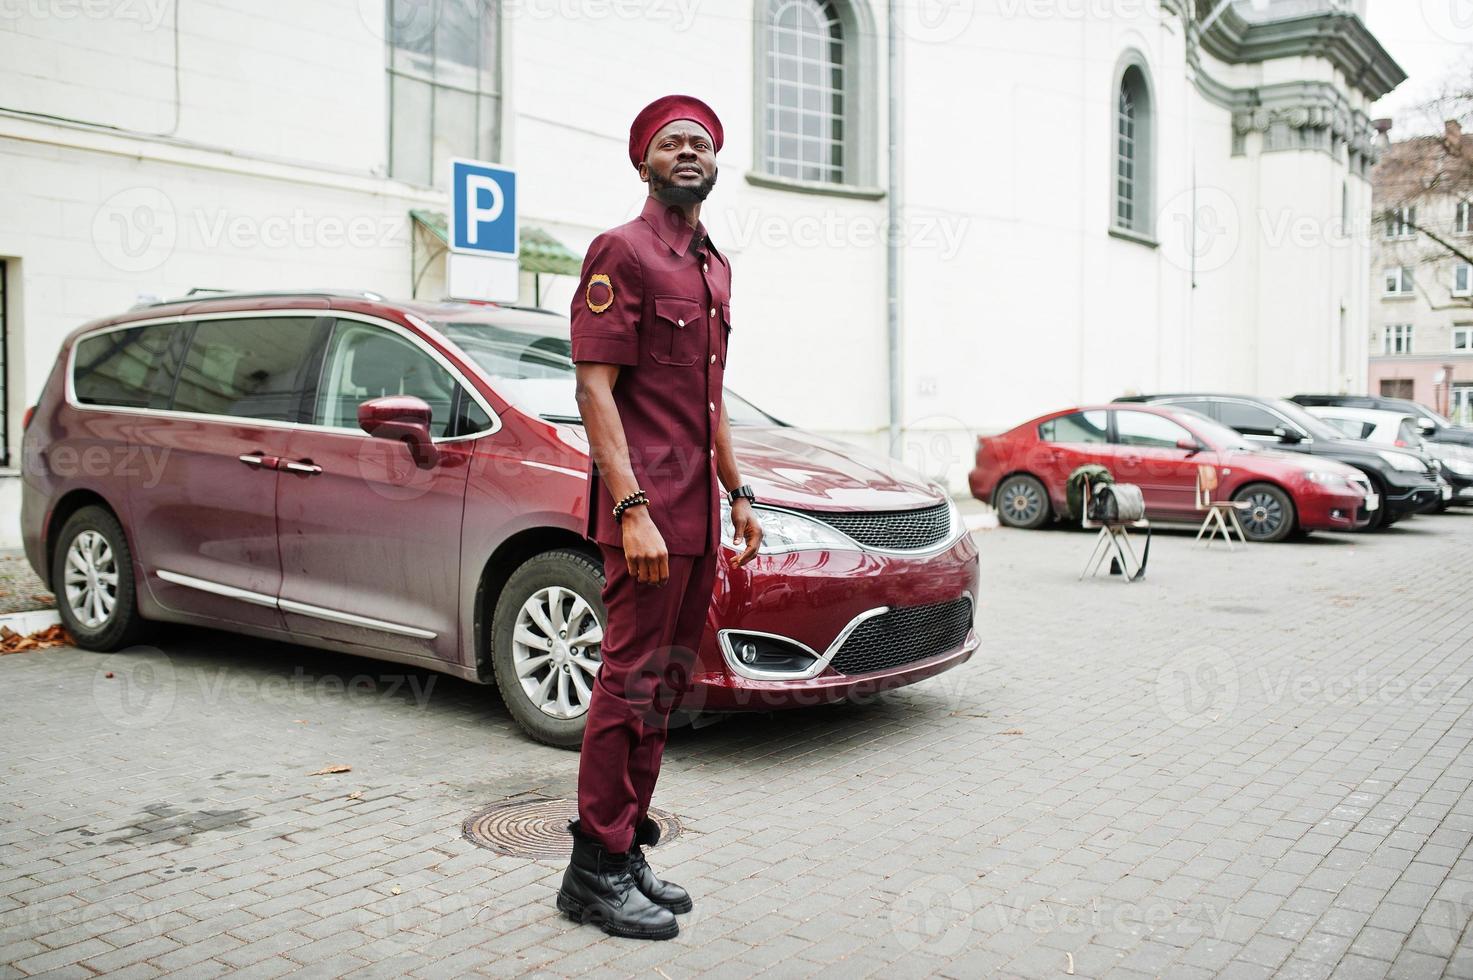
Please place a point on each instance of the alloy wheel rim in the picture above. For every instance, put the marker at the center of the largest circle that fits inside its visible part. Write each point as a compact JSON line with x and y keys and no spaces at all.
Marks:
{"x":556,"y":650}
{"x":1021,"y":502}
{"x":1265,"y":516}
{"x":90,"y":580}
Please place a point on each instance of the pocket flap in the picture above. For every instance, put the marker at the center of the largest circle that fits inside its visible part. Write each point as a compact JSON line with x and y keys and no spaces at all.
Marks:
{"x":678,"y":310}
{"x":726,"y":313}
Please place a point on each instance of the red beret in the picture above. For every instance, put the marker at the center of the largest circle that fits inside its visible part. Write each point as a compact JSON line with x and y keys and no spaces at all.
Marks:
{"x":661,"y":113}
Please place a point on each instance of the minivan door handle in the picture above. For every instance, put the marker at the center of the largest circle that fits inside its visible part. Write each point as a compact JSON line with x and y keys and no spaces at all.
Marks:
{"x":301,"y":466}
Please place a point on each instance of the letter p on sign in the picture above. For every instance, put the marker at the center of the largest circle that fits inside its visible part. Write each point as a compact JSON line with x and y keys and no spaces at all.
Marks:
{"x":483,"y":208}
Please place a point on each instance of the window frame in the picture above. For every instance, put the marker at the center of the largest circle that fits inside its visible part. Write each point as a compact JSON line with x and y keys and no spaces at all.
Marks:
{"x":1142,"y":227}
{"x":1466,"y":330}
{"x":1463,"y":218}
{"x":310,"y":390}
{"x":1283,"y":423}
{"x":323,"y":362}
{"x":859,"y":172}
{"x":1117,"y":440}
{"x":1394,"y":334}
{"x":1399,"y":223}
{"x":178,"y":330}
{"x":1104,"y":433}
{"x":497,"y":93}
{"x":1464,"y":269}
{"x":1404,"y":281}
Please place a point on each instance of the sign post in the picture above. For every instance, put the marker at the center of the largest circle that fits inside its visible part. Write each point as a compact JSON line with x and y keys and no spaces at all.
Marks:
{"x":482,"y":262}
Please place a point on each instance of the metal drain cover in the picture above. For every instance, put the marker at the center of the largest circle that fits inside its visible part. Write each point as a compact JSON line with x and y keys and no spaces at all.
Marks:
{"x":539,"y":828}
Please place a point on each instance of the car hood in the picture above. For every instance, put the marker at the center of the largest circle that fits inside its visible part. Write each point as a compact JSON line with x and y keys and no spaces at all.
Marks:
{"x":794,"y":468}
{"x":789,"y":467}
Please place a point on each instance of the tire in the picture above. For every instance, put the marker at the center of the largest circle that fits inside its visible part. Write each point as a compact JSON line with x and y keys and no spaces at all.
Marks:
{"x":1022,"y":502}
{"x":99,"y":605}
{"x":1272,"y":517}
{"x":557,"y":583}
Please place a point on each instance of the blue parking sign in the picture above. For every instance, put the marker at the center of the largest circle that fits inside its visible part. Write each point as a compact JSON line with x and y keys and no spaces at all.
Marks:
{"x":483,"y":212}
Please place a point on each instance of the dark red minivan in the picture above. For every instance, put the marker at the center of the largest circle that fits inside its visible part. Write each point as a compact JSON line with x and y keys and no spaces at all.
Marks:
{"x":406,"y":481}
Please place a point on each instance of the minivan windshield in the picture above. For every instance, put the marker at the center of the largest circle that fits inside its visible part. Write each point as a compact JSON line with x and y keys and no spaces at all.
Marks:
{"x":534,"y":370}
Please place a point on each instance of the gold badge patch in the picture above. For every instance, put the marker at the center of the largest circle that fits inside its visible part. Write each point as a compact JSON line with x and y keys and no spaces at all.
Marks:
{"x":600,"y":293}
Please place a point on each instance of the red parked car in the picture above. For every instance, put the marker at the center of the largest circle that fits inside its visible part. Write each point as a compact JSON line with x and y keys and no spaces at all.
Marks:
{"x":1023,"y":473}
{"x":407,"y":480}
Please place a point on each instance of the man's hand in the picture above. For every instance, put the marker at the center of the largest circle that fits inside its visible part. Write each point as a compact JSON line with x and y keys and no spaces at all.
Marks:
{"x":747,"y":529}
{"x":644,"y":547}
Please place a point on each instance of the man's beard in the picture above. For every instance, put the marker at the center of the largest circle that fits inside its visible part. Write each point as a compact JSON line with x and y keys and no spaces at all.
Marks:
{"x":671,"y":193}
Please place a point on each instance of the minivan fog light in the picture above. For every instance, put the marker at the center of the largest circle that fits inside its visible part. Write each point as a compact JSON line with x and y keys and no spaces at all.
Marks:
{"x":770,"y":654}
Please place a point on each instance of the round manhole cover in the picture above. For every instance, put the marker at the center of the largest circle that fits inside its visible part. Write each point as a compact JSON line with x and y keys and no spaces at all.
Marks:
{"x":539,"y":828}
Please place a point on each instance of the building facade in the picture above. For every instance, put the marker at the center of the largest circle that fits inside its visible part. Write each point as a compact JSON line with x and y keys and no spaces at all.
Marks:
{"x":1089,"y":199}
{"x":1422,"y":333}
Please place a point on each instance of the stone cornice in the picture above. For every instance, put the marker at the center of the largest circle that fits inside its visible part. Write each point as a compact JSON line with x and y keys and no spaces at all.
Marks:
{"x":1338,"y":36}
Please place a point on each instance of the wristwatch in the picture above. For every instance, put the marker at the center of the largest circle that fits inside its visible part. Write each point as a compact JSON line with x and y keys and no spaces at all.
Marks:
{"x":742,"y":491}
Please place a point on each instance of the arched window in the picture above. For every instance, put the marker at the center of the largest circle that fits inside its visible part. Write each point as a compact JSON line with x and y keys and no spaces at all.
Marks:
{"x":1134,"y":125}
{"x":807,"y":111}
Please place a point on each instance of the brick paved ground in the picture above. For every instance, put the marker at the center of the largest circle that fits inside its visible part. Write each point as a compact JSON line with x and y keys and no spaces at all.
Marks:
{"x":1249,"y":764}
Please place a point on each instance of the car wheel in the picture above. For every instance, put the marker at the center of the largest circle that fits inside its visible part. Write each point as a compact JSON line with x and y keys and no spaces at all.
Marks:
{"x":1270,"y":515}
{"x":1023,"y":502}
{"x":547,"y":636}
{"x":92,"y":577}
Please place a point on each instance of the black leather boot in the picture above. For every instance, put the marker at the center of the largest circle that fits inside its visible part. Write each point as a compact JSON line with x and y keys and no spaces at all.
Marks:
{"x":672,"y":896}
{"x":599,"y":888}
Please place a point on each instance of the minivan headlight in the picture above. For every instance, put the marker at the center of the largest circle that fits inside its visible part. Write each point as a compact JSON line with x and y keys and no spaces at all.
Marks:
{"x":1402,"y":461}
{"x":783,"y":531}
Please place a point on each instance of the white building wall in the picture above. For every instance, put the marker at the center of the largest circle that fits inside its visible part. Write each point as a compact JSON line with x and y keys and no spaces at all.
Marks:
{"x":1015,"y":298}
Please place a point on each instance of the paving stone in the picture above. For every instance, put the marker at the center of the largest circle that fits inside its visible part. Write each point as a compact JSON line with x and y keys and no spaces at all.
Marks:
{"x":1154,"y":818}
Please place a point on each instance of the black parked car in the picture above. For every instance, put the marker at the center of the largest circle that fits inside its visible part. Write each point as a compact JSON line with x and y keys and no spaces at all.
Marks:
{"x":1435,"y":428}
{"x":1406,"y":482}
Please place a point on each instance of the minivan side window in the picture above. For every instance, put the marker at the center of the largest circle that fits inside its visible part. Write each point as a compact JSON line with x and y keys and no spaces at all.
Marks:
{"x":126,"y":368}
{"x":364,"y":361}
{"x":1079,"y":427}
{"x":251,"y":367}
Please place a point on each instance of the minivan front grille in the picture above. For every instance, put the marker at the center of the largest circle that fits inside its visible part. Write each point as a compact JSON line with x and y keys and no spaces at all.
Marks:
{"x":891,"y":530}
{"x":904,"y":636}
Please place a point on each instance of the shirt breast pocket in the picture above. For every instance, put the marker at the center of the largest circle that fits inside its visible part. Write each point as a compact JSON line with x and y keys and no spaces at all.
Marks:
{"x":679,"y":331}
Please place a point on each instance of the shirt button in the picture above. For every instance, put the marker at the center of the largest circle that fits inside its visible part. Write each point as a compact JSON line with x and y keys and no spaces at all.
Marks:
{"x":713,"y":311}
{"x":713,"y":454}
{"x":680,"y":323}
{"x":705,"y":267}
{"x":713,"y":358}
{"x":713,"y":405}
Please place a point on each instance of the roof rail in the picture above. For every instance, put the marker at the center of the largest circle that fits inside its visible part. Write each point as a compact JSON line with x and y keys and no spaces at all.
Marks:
{"x":204,"y":292}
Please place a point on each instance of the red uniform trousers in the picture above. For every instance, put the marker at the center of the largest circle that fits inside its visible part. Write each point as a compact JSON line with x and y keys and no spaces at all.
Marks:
{"x":649,"y":649}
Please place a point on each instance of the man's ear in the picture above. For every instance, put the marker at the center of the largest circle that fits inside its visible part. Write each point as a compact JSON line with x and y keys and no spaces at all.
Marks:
{"x":644,"y":171}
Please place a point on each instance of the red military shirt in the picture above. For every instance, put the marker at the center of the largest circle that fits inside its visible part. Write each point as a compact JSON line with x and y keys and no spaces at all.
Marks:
{"x":655,"y":297}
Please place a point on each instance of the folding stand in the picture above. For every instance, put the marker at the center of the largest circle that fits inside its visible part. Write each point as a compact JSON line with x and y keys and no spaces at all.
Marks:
{"x":1114,"y":537}
{"x":1214,"y":522}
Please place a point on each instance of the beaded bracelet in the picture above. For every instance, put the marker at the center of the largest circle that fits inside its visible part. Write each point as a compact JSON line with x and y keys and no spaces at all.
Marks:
{"x":633,"y":500}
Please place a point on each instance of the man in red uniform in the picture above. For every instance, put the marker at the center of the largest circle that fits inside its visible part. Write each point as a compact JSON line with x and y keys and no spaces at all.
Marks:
{"x":651,"y":322}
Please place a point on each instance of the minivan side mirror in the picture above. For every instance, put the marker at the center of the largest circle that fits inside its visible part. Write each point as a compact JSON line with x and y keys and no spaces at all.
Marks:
{"x":405,"y":418}
{"x":1287,"y":435}
{"x":1427,"y":427}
